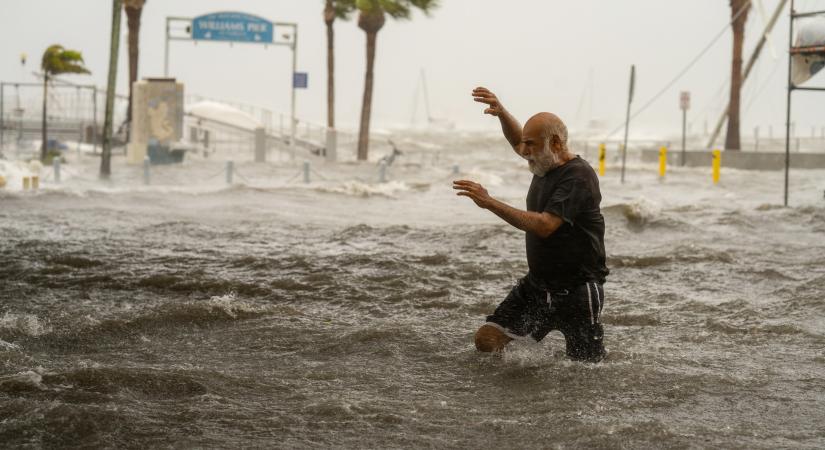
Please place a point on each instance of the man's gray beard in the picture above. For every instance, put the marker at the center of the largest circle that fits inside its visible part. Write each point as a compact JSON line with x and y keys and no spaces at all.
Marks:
{"x":545,"y":163}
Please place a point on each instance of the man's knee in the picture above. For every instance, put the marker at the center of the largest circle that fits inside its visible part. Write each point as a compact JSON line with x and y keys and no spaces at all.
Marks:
{"x":490,"y":339}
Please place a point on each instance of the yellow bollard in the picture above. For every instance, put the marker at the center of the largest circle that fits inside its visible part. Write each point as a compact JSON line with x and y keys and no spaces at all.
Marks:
{"x":2,"y":181}
{"x":662,"y":162}
{"x":601,"y":159}
{"x":26,"y":181}
{"x":717,"y":164}
{"x":35,"y":182}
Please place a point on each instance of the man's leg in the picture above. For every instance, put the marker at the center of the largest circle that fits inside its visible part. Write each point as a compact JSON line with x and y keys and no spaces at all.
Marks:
{"x":491,"y":339}
{"x":522,"y":314}
{"x":581,"y":323}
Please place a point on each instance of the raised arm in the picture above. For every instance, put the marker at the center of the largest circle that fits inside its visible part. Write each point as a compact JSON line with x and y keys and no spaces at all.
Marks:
{"x":509,"y":125}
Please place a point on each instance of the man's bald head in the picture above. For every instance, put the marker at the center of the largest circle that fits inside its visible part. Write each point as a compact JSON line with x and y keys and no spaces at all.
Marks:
{"x":545,"y":125}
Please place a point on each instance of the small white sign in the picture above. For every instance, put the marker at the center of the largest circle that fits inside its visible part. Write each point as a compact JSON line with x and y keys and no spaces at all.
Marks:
{"x":684,"y":100}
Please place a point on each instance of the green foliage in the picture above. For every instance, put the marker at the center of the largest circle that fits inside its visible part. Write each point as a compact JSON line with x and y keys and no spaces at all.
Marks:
{"x":343,"y":8}
{"x":57,"y":60}
{"x":397,"y":9}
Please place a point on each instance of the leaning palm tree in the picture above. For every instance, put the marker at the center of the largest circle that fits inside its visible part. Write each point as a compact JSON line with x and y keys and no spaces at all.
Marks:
{"x":371,"y":18}
{"x":739,"y":14}
{"x":333,"y":9}
{"x":56,"y":61}
{"x":134,"y":9}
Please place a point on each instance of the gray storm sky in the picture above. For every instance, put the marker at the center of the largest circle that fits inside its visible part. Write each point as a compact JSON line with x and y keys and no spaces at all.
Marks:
{"x":572,"y":58}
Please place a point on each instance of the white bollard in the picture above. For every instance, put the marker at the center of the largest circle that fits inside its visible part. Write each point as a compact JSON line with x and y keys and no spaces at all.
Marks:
{"x":230,"y":169}
{"x":56,"y":167}
{"x":146,"y":174}
{"x":306,"y":171}
{"x":382,"y":172}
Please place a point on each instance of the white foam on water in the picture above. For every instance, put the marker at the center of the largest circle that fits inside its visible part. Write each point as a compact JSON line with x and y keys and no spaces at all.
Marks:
{"x":27,"y":324}
{"x":642,"y":211}
{"x":28,"y":377}
{"x":360,"y":189}
{"x":8,"y":345}
{"x":230,"y":305}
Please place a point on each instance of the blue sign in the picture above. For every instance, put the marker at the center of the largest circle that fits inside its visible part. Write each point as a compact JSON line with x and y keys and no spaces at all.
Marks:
{"x":300,"y":80}
{"x":232,"y":26}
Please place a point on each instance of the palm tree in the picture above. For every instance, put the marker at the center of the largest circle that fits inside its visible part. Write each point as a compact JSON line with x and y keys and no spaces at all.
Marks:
{"x":371,"y":18}
{"x":739,"y":14}
{"x":334,"y":9}
{"x":114,"y":46}
{"x":56,"y":61}
{"x":134,"y":8}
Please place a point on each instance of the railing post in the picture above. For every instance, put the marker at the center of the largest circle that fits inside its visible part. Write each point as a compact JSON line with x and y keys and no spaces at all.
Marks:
{"x":56,"y":167}
{"x":230,"y":169}
{"x":382,"y":172}
{"x":332,"y":145}
{"x":146,"y":170}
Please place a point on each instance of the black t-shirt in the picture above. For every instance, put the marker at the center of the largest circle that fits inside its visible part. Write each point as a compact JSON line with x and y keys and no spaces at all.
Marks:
{"x":574,"y":253}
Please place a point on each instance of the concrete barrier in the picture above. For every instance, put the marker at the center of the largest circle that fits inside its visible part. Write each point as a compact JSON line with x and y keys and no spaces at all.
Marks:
{"x":740,"y":160}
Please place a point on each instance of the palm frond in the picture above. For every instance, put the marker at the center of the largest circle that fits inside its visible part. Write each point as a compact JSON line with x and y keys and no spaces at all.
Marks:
{"x":57,"y":60}
{"x":343,"y":8}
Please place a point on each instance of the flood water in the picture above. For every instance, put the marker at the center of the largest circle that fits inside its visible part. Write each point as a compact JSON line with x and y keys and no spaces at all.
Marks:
{"x":341,"y":313}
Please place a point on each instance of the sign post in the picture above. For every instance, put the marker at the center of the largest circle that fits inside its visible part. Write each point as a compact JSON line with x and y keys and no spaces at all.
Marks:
{"x":684,"y":105}
{"x":236,"y":27}
{"x":627,"y":120}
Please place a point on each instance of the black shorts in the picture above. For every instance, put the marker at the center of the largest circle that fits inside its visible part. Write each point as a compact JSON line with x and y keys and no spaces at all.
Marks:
{"x":531,"y":311}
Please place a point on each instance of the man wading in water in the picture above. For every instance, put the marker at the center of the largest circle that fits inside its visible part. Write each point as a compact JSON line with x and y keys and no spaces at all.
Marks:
{"x":565,"y":241}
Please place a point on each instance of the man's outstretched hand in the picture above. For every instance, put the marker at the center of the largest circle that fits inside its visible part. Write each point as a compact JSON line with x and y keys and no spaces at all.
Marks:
{"x":483,"y":95}
{"x":474,"y":191}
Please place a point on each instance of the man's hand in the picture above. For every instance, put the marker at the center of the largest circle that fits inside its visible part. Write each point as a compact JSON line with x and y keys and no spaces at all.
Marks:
{"x":475,"y":191}
{"x":483,"y":95}
{"x":509,"y":125}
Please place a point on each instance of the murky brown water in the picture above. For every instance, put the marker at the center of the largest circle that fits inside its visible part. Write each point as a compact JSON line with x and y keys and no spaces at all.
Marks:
{"x":341,"y":314}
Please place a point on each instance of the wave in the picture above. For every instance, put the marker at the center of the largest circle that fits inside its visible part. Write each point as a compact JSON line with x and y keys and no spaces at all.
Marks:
{"x":19,"y":325}
{"x":629,"y":320}
{"x":360,"y":189}
{"x":641,"y":214}
{"x":103,"y":381}
{"x":199,"y":283}
{"x":760,"y":329}
{"x":680,"y":254}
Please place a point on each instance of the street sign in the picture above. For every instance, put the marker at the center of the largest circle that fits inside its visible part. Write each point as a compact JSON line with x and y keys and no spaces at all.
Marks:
{"x":233,"y":27}
{"x":300,"y":80}
{"x":684,"y":100}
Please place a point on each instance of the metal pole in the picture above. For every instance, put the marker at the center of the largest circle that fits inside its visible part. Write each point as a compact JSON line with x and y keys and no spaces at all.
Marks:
{"x":94,"y":121}
{"x":146,"y":170}
{"x":292,"y":80}
{"x":166,"y":52}
{"x":684,"y":124}
{"x":788,"y":111}
{"x":230,"y":169}
{"x":2,"y":115}
{"x":756,"y":139}
{"x":627,"y":119}
{"x":56,"y":167}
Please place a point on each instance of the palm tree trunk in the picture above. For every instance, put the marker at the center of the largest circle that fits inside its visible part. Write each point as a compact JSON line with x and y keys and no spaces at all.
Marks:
{"x":44,"y":137}
{"x":106,"y":153}
{"x":366,"y":106}
{"x":329,"y":18}
{"x":732,"y":141}
{"x":133,"y":23}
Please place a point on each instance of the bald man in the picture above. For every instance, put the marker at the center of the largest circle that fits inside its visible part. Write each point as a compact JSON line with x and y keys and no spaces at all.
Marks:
{"x":564,"y":231}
